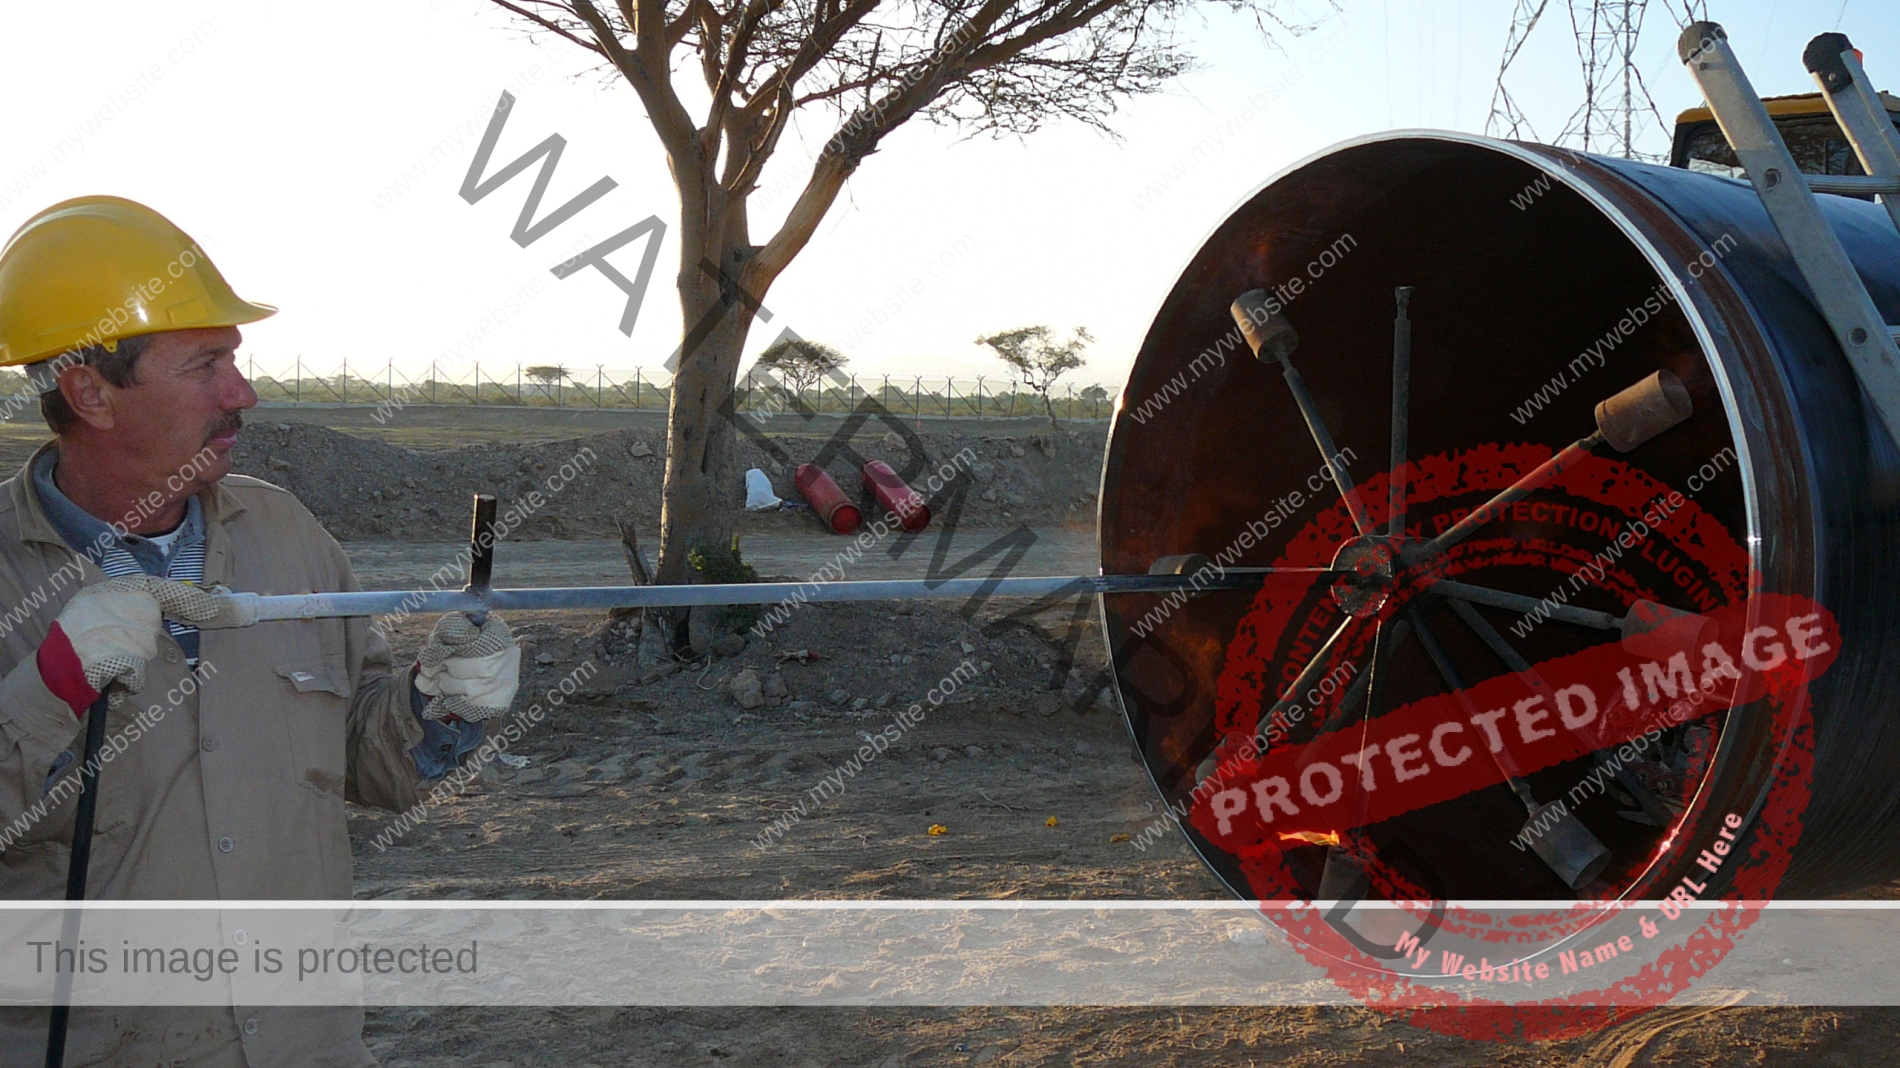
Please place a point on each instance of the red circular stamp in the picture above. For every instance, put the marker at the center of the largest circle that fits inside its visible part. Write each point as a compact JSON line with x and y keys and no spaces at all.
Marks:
{"x":1316,"y":795}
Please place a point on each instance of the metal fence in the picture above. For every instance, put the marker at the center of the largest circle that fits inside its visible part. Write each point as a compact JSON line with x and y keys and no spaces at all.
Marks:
{"x":532,"y":386}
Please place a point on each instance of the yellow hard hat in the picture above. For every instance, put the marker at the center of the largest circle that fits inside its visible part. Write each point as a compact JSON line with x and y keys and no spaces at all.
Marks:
{"x":96,"y":269}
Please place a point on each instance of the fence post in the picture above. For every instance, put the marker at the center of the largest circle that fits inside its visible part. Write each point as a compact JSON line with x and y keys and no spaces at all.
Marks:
{"x":478,"y":381}
{"x":346,"y":380}
{"x":636,"y":389}
{"x":434,"y":373}
{"x":979,"y":398}
{"x":299,"y":380}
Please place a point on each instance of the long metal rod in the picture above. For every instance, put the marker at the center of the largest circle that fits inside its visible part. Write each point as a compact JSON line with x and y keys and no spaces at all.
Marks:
{"x":1328,"y":452}
{"x":1517,"y":602}
{"x":248,"y":608}
{"x":1513,"y":493}
{"x":1401,"y":406}
{"x":1504,"y":651}
{"x":1315,"y":665}
{"x":1512,"y":776}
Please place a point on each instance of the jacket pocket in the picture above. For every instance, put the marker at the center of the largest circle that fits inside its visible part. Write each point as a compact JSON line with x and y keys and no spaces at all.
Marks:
{"x":316,"y":713}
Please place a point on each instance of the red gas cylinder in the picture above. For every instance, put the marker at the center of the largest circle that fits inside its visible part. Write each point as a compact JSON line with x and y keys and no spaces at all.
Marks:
{"x":896,"y":496}
{"x":826,"y":499}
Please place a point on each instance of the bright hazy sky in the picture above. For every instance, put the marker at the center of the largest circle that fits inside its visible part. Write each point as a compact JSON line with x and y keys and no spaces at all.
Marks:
{"x":316,"y":153}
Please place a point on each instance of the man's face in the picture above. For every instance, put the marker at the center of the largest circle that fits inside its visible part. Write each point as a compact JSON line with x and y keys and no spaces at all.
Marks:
{"x":181,"y":417}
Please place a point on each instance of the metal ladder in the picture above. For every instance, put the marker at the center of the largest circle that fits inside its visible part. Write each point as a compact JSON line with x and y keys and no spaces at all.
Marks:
{"x":1871,"y":344}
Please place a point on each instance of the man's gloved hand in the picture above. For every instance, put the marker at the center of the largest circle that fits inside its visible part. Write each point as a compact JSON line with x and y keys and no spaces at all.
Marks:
{"x":108,"y":631}
{"x":468,"y":673}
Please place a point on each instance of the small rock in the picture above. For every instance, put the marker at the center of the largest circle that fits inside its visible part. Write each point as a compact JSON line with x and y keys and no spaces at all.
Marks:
{"x":967,"y":647}
{"x":1016,"y":450}
{"x":893,"y":440}
{"x":284,"y":427}
{"x":972,"y":751}
{"x":1048,"y":446}
{"x":838,"y":697}
{"x":544,"y":658}
{"x":778,"y":468}
{"x":982,"y":472}
{"x":989,"y":495}
{"x":1105,"y":701}
{"x":639,"y":450}
{"x":1084,"y":749}
{"x":728,"y":645}
{"x":884,"y":701}
{"x":940,"y":754}
{"x":799,"y":706}
{"x":858,"y":704}
{"x":774,"y":687}
{"x":279,"y":464}
{"x":747,"y":690}
{"x":904,"y":608}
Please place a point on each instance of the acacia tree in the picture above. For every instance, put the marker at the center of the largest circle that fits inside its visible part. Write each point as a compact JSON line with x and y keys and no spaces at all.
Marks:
{"x":547,"y":377}
{"x":1038,"y":359}
{"x":800,"y":363}
{"x":1001,"y":67}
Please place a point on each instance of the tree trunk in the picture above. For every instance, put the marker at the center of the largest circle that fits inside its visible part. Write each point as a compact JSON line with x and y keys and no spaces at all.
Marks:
{"x":698,"y":499}
{"x":1049,"y":406}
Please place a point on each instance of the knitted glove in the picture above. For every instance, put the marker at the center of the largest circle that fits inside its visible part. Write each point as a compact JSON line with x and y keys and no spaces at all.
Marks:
{"x":468,"y":673}
{"x":109,"y":631}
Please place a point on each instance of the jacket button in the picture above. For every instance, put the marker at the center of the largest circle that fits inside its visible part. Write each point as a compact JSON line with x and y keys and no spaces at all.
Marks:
{"x":225,"y":845}
{"x":209,"y":744}
{"x":250,"y":1026}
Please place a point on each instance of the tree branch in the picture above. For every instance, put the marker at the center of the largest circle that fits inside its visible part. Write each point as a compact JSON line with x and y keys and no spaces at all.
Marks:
{"x":552,"y":27}
{"x":664,"y":109}
{"x":755,"y":12}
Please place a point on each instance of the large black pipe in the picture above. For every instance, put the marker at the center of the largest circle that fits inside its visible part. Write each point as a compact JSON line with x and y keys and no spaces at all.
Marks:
{"x":1524,"y":256}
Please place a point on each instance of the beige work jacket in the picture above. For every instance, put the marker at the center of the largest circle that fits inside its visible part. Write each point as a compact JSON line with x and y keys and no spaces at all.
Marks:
{"x":234,"y":786}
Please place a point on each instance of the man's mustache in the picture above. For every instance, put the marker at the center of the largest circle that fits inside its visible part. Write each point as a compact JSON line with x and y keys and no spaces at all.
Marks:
{"x":229,"y":423}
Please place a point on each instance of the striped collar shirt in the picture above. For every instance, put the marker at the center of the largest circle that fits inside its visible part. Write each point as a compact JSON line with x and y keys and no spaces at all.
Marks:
{"x":179,"y":555}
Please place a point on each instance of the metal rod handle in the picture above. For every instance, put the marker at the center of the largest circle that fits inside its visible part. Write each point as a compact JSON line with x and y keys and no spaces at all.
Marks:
{"x":76,"y":868}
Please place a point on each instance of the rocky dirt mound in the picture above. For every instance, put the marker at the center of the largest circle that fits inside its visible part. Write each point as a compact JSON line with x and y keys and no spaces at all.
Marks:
{"x":363,"y":488}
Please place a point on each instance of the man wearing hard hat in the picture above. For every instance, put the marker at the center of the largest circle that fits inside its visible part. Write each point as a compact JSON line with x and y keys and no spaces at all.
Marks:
{"x":245,"y":743}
